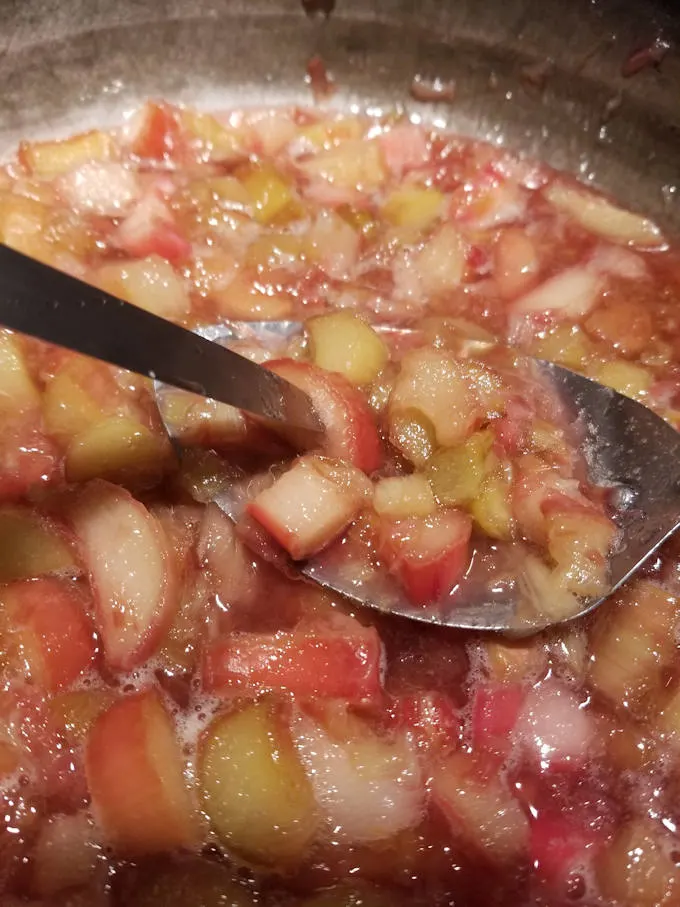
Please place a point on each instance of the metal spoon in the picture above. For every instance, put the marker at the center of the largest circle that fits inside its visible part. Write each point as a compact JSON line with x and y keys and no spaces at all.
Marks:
{"x":627,"y":446}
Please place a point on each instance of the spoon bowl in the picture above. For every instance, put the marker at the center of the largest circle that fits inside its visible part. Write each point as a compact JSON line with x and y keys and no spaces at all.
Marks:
{"x":628,"y":449}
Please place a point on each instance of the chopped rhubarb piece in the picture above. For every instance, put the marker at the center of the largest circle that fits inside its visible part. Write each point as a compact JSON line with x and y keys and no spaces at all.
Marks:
{"x":367,"y":786}
{"x":495,"y":710}
{"x":50,"y":637}
{"x":131,"y":571}
{"x":555,"y":728}
{"x":253,"y":787}
{"x":104,"y":188}
{"x":149,"y":229}
{"x":561,"y":843}
{"x":136,"y":779}
{"x":51,"y":158}
{"x":28,"y":458}
{"x":350,"y":428}
{"x":404,"y":147}
{"x":432,"y":718}
{"x":309,"y":506}
{"x":428,"y":555}
{"x":480,"y":809}
{"x":439,"y":387}
{"x":156,"y":132}
{"x":321,"y":661}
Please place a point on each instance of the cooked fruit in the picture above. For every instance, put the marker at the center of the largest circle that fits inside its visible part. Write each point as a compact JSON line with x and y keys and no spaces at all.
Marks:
{"x":428,"y":555}
{"x":436,"y":386}
{"x":45,"y":633}
{"x":368,"y":787}
{"x":255,"y":792}
{"x":404,"y":496}
{"x":32,"y":545}
{"x":309,"y":506}
{"x":481,"y":811}
{"x":343,"y":662}
{"x":136,"y":778}
{"x":351,"y":433}
{"x":343,"y":342}
{"x":126,"y":555}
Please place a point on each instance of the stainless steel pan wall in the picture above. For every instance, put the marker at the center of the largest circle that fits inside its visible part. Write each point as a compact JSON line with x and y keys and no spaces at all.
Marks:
{"x":68,"y":64}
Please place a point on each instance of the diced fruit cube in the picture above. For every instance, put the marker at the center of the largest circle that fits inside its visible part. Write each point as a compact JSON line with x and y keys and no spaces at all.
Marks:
{"x":107,"y":189}
{"x":630,"y":653}
{"x":51,"y":158}
{"x":18,"y":390}
{"x":275,"y":250}
{"x":350,"y":429}
{"x":626,"y":326}
{"x":438,"y":387}
{"x":559,"y":843}
{"x":412,"y":433}
{"x":80,"y":394}
{"x":495,"y":712}
{"x":441,"y":263}
{"x":638,"y":867}
{"x":23,"y":223}
{"x":351,"y":165}
{"x":368,"y":787}
{"x":432,"y":719}
{"x":28,"y":458}
{"x":343,"y":342}
{"x":216,"y":141}
{"x":428,"y":555}
{"x":566,"y":344}
{"x":254,"y":789}
{"x":226,"y":559}
{"x":136,"y":778}
{"x":120,"y":450}
{"x":131,"y":571}
{"x":555,"y":728}
{"x":626,"y":378}
{"x":151,"y":284}
{"x":481,"y":810}
{"x":404,"y":496}
{"x":155,"y":132}
{"x":570,"y":294}
{"x":73,"y":713}
{"x":45,"y":632}
{"x":541,"y":596}
{"x":515,"y":263}
{"x":456,"y":475}
{"x":271,"y":130}
{"x":415,"y":207}
{"x":579,"y":541}
{"x":514,"y":660}
{"x":344,"y":663}
{"x":334,"y":245}
{"x":149,"y":229}
{"x":404,"y":147}
{"x":310,"y":505}
{"x":64,"y":855}
{"x":491,"y":509}
{"x":600,"y":216}
{"x":271,"y":195}
{"x":31,"y":546}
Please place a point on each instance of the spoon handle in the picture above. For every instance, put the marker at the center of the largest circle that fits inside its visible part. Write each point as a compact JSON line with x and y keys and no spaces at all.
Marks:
{"x":43,"y":302}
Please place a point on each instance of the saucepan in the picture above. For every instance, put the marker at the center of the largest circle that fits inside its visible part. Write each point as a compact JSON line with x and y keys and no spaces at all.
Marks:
{"x":589,"y":86}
